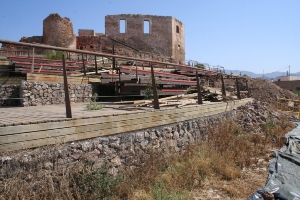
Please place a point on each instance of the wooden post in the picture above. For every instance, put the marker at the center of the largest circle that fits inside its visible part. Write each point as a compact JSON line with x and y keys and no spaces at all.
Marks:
{"x":66,"y":88}
{"x":83,"y":65}
{"x":96,"y":67}
{"x":199,"y":89}
{"x":223,"y":86}
{"x":32,"y":64}
{"x":102,"y":61}
{"x":248,"y":94}
{"x":155,"y":97}
{"x":238,"y":88}
{"x":136,"y":72}
{"x":119,"y":84}
{"x":114,"y":59}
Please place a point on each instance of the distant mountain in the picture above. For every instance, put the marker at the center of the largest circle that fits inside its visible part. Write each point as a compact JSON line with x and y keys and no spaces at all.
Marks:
{"x":269,"y":76}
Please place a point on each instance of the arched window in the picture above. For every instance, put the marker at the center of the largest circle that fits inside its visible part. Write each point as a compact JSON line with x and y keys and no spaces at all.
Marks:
{"x":177,"y":29}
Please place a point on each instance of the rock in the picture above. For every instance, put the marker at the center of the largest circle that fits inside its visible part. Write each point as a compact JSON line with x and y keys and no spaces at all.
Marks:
{"x":48,"y":166}
{"x":5,"y":159}
{"x":76,"y":155}
{"x":144,"y":144}
{"x":86,"y":146}
{"x":92,"y":156}
{"x":116,"y":161}
{"x":176,"y":135}
{"x":139,"y":136}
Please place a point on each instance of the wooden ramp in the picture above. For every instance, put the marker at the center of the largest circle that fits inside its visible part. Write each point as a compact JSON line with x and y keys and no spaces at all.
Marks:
{"x":68,"y":130}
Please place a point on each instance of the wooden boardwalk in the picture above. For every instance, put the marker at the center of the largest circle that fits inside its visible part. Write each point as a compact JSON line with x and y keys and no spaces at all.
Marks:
{"x":29,"y":127}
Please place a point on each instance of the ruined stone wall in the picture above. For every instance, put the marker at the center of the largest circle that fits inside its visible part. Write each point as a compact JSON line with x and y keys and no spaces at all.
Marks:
{"x":159,"y":40}
{"x":38,"y":93}
{"x":178,"y":40}
{"x":7,"y":92}
{"x":33,"y":39}
{"x":89,"y":43}
{"x":121,"y":151}
{"x":58,"y":31}
{"x":104,"y":44}
{"x":86,"y":32}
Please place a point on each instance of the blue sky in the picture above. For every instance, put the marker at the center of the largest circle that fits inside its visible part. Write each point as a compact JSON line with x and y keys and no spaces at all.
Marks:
{"x":252,"y":35}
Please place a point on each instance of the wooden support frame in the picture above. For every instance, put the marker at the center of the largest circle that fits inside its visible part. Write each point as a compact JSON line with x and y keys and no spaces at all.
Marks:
{"x":96,"y":65}
{"x":32,"y":65}
{"x":155,"y":96}
{"x":238,"y":88}
{"x":66,"y":88}
{"x":248,"y":94}
{"x":223,"y":86}
{"x":83,"y":65}
{"x":199,"y":89}
{"x":113,"y":59}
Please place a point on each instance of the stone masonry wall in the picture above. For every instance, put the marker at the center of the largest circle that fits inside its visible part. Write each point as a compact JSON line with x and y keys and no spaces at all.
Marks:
{"x":178,"y":40}
{"x":86,"y":32}
{"x":38,"y":93}
{"x":161,"y":39}
{"x":121,"y":151}
{"x":89,"y":43}
{"x":7,"y":92}
{"x":33,"y":39}
{"x":58,"y":31}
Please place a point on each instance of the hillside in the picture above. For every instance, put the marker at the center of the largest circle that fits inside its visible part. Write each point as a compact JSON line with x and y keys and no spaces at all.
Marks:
{"x":268,"y":76}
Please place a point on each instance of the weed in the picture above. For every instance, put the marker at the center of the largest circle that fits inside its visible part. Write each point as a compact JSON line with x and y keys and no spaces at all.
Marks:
{"x":98,"y":183}
{"x":57,"y":56}
{"x":160,"y":192}
{"x":93,"y":103}
{"x":297,"y":93}
{"x":148,"y":92}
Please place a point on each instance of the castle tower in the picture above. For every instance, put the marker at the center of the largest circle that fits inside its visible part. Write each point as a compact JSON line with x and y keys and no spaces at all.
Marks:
{"x":58,"y":31}
{"x":158,"y":34}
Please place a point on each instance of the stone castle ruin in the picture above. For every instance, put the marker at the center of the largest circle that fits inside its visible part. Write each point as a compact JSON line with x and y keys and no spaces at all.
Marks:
{"x":158,"y":36}
{"x":58,"y":31}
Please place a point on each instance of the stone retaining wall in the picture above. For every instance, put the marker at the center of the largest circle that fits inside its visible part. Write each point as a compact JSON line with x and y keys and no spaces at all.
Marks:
{"x":120,"y":151}
{"x":38,"y":93}
{"x":8,"y":95}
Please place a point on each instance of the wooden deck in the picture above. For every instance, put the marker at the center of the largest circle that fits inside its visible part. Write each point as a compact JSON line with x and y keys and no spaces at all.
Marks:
{"x":41,"y":128}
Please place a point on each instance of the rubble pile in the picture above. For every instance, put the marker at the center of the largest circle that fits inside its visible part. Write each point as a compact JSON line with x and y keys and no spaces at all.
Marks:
{"x":254,"y":115}
{"x":264,"y":90}
{"x":260,"y":89}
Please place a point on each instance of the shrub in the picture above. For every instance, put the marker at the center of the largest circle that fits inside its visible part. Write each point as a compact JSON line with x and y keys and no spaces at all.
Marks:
{"x":148,"y":92}
{"x":96,"y":183}
{"x":93,"y":103}
{"x":57,"y":56}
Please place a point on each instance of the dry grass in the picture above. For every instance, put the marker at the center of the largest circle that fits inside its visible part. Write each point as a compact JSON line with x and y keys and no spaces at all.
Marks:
{"x":229,"y":164}
{"x":79,"y":181}
{"x":222,"y":165}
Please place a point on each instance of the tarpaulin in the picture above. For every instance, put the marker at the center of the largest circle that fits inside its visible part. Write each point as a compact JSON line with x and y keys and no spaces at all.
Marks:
{"x":284,"y":170}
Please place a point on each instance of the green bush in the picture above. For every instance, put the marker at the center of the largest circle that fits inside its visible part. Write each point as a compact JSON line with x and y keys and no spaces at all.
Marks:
{"x":148,"y":92}
{"x":93,"y":103}
{"x":297,"y":93}
{"x":160,"y":192}
{"x":97,"y":183}
{"x":57,"y":56}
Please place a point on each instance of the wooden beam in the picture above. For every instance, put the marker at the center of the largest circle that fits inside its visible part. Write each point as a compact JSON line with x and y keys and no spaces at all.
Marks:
{"x":66,"y":88}
{"x":154,"y":89}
